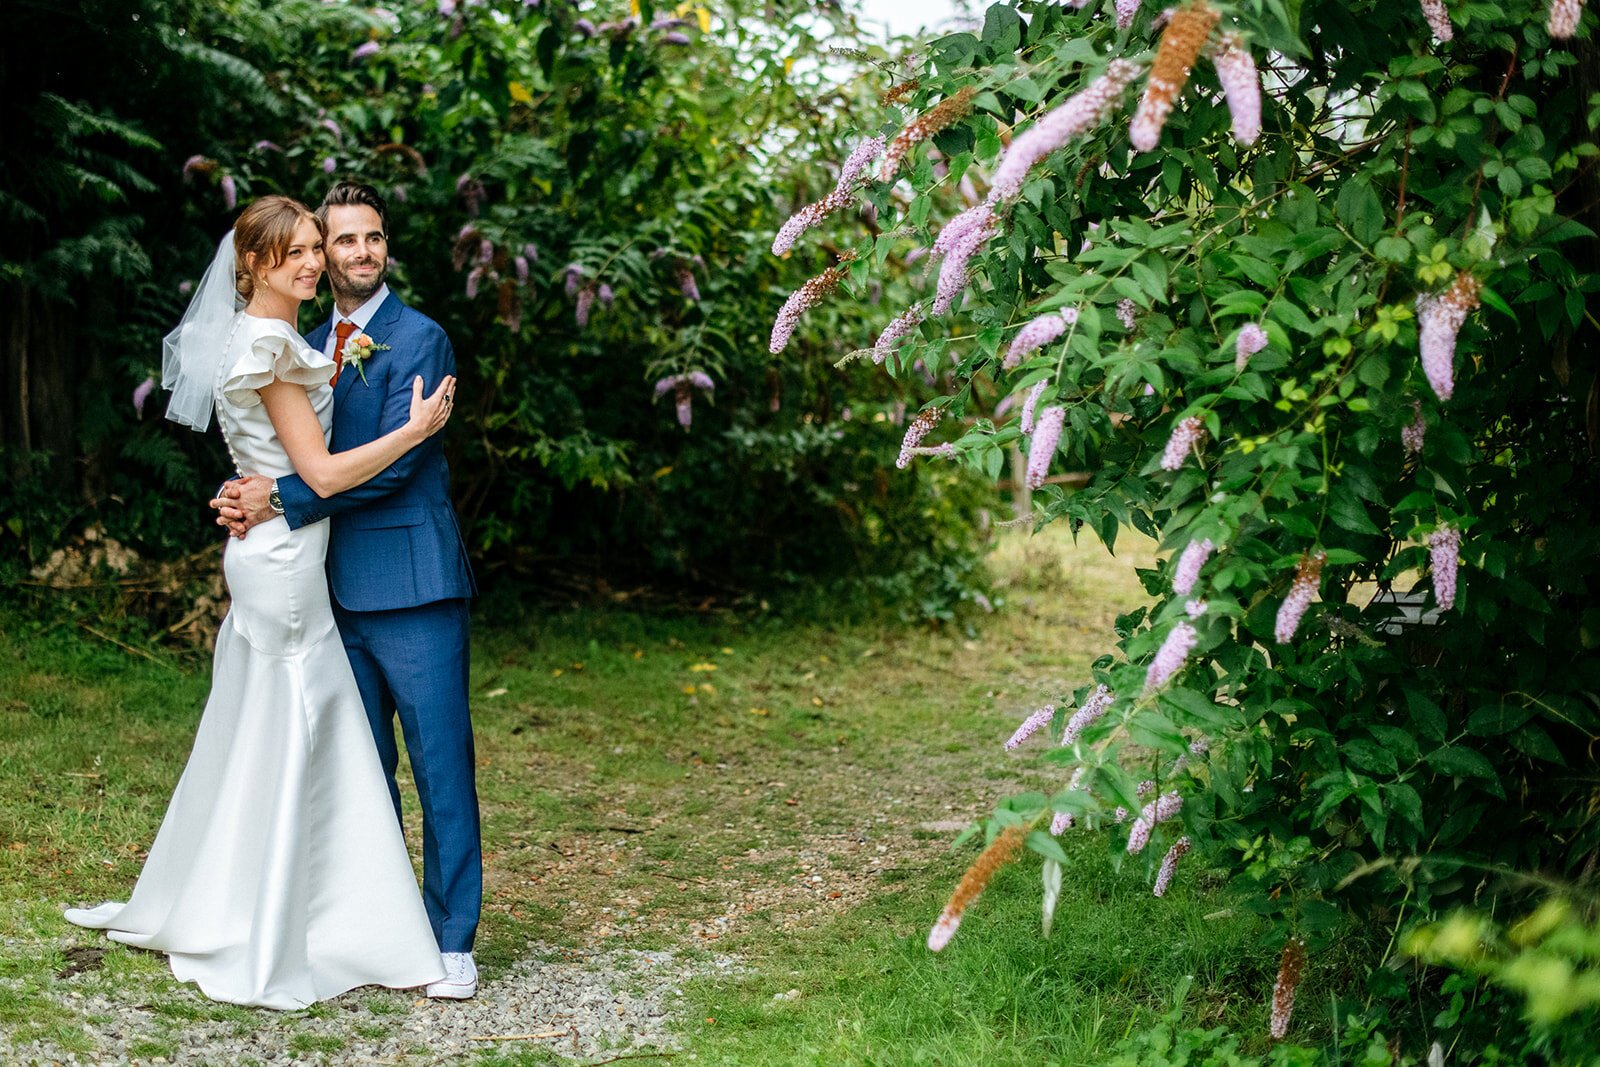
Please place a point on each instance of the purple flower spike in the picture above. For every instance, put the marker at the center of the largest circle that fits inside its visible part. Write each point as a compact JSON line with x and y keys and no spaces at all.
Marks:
{"x":1080,"y":114}
{"x":686,"y":282}
{"x":196,"y":164}
{"x":925,"y":421}
{"x":185,"y":288}
{"x":521,"y":264}
{"x":1032,"y":725}
{"x":1444,"y":545}
{"x":1089,"y":712}
{"x":890,"y":338}
{"x":474,"y":279}
{"x":1025,"y":421}
{"x":1439,"y":320}
{"x":1169,"y":866}
{"x":1185,"y":437}
{"x":1194,"y":557}
{"x":333,"y":128}
{"x":1252,"y":339}
{"x":1241,"y":86}
{"x":585,"y":27}
{"x":702,"y":381}
{"x":531,"y":251}
{"x":574,"y":276}
{"x":141,"y":394}
{"x":1125,"y":314}
{"x":973,"y":229}
{"x":675,"y":37}
{"x":230,"y":192}
{"x":1414,"y":435}
{"x":485,"y":251}
{"x":366,"y":51}
{"x":329,"y":165}
{"x":585,"y":304}
{"x":1036,"y":334}
{"x":1046,"y":435}
{"x":1307,"y":579}
{"x":606,"y":294}
{"x":267,"y":146}
{"x":1172,"y":655}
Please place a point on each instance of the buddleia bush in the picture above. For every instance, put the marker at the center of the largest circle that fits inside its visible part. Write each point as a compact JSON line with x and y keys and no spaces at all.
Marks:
{"x":584,"y":197}
{"x":1309,"y":288}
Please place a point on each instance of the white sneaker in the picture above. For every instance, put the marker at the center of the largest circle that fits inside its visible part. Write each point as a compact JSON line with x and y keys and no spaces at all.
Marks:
{"x":460,"y":979}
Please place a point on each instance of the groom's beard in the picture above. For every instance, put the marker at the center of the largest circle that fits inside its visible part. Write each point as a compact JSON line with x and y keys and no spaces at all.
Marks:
{"x":351,"y":291}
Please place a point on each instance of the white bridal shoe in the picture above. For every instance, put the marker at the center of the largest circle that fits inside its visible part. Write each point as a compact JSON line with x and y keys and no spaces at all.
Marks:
{"x":460,"y":979}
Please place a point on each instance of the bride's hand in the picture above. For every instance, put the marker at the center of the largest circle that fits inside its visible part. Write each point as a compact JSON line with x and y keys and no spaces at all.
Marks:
{"x":429,"y":415}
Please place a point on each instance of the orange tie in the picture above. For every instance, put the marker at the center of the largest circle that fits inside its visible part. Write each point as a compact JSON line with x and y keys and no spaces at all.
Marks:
{"x":341,"y":334}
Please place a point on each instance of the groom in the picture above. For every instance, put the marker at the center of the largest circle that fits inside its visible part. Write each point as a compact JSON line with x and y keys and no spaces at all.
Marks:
{"x":397,"y":566}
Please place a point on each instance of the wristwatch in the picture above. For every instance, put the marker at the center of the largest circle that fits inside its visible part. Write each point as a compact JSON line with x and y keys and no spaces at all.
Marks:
{"x":274,"y":501}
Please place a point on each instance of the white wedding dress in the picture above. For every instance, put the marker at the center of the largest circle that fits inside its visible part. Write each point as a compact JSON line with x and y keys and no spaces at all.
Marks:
{"x":279,"y":876}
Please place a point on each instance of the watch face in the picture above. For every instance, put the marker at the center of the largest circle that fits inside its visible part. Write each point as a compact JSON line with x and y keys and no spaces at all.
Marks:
{"x":275,"y":502}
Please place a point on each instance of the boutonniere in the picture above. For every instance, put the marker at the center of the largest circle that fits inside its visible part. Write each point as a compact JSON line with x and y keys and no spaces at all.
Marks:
{"x":358,"y":349}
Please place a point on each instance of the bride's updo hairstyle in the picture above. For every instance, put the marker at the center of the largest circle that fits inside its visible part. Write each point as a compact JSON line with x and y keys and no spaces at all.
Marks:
{"x":265,"y":230}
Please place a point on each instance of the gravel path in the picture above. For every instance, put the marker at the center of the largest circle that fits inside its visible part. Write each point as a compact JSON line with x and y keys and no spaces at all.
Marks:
{"x":576,"y":1003}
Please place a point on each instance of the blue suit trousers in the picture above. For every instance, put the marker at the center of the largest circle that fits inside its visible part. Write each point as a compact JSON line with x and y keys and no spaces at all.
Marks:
{"x":413,"y":662}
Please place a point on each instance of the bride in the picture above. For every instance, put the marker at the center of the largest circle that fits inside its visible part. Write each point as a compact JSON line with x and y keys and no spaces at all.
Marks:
{"x":279,"y":876}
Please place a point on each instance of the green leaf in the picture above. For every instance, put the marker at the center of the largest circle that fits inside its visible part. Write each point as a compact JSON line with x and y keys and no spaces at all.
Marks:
{"x":1406,"y":803}
{"x":1041,"y":842}
{"x":1461,"y":762}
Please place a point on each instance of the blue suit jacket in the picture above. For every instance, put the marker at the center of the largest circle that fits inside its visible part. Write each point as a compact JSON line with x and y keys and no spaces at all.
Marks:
{"x":395,"y":541}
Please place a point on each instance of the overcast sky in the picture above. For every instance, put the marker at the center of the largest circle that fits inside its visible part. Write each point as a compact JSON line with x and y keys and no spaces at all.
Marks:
{"x":909,"y":16}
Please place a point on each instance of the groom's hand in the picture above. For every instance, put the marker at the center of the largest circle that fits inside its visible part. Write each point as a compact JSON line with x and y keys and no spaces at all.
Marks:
{"x":242,"y":503}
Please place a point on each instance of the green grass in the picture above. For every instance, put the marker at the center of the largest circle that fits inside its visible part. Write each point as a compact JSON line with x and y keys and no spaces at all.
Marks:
{"x":675,"y":782}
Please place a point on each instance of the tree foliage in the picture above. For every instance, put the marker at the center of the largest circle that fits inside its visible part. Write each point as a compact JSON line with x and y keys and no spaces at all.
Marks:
{"x":1374,"y":690}
{"x":586,"y":208}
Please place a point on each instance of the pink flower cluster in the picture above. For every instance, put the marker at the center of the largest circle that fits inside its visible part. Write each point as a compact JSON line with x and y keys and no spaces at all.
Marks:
{"x":889,"y":339}
{"x":1125,"y":314}
{"x":1036,"y":334}
{"x":1439,"y":320}
{"x":924,"y":422}
{"x":1171,"y":656}
{"x":1291,"y":968}
{"x":843,"y":193}
{"x":1564,"y":18}
{"x":1126,"y":9}
{"x":1415,"y":434}
{"x":1082,"y":112}
{"x":1194,"y":556}
{"x":1438,"y":19}
{"x":1164,"y":807}
{"x":1089,"y":712}
{"x":1186,"y":436}
{"x":1025,"y":423}
{"x":1252,"y":339}
{"x":1307,"y":579}
{"x":1046,"y":435}
{"x":1241,"y":86}
{"x":679,"y":385}
{"x":807,"y":296}
{"x":1169,"y":866}
{"x":1444,"y":546}
{"x":960,"y":239}
{"x":1063,"y":819}
{"x":1032,"y":725}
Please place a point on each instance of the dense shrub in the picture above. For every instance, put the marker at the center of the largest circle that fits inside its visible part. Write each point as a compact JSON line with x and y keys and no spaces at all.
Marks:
{"x":1334,"y":347}
{"x":587,"y":209}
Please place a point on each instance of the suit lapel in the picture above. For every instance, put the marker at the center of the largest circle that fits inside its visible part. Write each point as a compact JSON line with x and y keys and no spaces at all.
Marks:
{"x":379,"y":327}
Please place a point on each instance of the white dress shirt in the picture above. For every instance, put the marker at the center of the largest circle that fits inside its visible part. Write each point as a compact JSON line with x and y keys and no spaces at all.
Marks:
{"x":360,"y":316}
